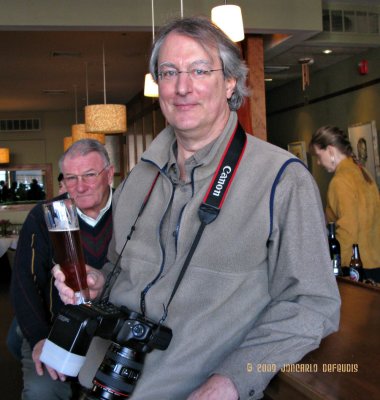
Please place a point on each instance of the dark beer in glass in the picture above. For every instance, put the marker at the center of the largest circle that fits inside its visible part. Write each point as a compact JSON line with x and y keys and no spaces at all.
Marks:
{"x":62,"y":222}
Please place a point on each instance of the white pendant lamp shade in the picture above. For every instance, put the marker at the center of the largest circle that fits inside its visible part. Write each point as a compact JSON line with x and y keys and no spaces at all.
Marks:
{"x":229,"y":19}
{"x":150,"y":86}
{"x":4,"y":155}
{"x":78,"y":132}
{"x":106,"y":118}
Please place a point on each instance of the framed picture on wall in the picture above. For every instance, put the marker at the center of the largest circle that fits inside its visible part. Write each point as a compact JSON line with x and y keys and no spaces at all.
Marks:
{"x":299,"y":150}
{"x":363,"y":138}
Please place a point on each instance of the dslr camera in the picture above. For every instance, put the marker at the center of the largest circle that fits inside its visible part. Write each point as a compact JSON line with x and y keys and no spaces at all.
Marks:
{"x":132,"y":336}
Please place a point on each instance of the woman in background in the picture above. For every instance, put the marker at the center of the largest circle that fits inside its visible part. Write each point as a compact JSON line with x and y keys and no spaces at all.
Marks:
{"x":353,"y":201}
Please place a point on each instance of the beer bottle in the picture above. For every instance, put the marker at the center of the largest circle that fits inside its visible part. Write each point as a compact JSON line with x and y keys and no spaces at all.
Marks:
{"x":334,"y":247}
{"x":356,"y":265}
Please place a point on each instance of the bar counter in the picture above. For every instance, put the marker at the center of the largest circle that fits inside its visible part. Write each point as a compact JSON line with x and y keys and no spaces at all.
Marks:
{"x":346,"y":365}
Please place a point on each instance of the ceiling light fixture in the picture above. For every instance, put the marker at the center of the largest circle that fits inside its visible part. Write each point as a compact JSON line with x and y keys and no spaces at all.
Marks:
{"x":4,"y":155}
{"x":105,"y":118}
{"x":150,"y":86}
{"x":67,"y":142}
{"x":327,"y":51}
{"x":78,"y":131}
{"x":229,"y":19}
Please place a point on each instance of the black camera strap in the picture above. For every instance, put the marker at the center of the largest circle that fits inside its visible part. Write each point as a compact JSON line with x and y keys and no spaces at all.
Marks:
{"x":111,"y":278}
{"x":214,"y":198}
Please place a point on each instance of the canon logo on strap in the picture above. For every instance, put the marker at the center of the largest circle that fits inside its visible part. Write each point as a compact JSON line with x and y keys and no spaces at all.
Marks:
{"x":221,"y":180}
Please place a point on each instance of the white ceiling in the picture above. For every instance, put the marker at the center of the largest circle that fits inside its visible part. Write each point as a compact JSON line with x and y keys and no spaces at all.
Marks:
{"x":33,"y":62}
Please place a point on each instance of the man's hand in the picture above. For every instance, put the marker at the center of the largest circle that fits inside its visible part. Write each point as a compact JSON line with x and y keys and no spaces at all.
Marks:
{"x":37,"y":349}
{"x":217,"y":387}
{"x":95,"y":282}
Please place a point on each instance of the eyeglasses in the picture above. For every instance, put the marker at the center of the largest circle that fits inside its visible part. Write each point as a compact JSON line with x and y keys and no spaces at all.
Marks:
{"x":195,"y":73}
{"x":89,"y":178}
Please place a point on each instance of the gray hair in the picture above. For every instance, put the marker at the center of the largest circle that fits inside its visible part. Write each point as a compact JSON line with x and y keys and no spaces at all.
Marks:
{"x":82,"y":148}
{"x":209,"y":36}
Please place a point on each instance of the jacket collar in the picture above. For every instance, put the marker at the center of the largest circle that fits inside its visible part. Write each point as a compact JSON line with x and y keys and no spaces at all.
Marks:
{"x":159,"y":150}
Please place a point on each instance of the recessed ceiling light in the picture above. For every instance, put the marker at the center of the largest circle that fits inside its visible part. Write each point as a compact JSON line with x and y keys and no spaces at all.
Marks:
{"x":327,"y":51}
{"x":268,"y":79}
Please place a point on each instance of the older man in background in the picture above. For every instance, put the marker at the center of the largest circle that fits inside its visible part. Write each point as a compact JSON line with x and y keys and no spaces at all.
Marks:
{"x":87,"y":177}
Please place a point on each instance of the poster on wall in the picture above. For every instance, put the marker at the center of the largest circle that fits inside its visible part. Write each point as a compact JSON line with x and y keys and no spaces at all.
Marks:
{"x":299,"y":150}
{"x":363,"y":138}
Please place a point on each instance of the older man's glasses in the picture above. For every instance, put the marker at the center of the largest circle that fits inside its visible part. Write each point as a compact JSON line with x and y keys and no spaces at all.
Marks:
{"x":88,"y":177}
{"x":195,"y":73}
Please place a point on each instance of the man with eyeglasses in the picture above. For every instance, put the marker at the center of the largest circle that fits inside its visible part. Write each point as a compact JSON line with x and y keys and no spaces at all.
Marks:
{"x":230,"y":250}
{"x":87,"y":177}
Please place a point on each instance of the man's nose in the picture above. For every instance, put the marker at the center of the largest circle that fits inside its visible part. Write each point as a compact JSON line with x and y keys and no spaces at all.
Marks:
{"x":184,"y":83}
{"x":81,"y":184}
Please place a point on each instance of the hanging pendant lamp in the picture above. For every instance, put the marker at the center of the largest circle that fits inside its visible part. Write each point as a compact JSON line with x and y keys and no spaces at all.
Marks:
{"x":105,"y":118}
{"x":150,"y":86}
{"x":78,"y":132}
{"x":4,"y":155}
{"x":229,"y":19}
{"x":67,"y":142}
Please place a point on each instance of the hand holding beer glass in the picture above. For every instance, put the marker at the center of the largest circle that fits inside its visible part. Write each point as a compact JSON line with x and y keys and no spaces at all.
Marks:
{"x":62,"y":222}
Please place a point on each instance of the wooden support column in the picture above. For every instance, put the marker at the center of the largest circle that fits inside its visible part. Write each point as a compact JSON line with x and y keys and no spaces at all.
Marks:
{"x":253,"y":112}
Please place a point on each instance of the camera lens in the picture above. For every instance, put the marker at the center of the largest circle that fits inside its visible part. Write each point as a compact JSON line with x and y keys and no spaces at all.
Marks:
{"x":138,"y":330}
{"x":118,"y":373}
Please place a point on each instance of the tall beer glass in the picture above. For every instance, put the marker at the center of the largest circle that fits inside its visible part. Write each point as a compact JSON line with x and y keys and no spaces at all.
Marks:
{"x":62,"y":222}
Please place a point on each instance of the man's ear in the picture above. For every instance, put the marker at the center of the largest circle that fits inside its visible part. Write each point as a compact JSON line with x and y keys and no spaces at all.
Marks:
{"x":230,"y":87}
{"x":111,"y":171}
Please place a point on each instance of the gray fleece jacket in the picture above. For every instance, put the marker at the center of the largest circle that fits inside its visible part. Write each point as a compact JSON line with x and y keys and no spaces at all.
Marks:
{"x":259,"y":289}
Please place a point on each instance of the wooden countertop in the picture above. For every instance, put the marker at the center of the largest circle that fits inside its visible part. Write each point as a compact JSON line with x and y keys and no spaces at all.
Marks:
{"x":347,"y":364}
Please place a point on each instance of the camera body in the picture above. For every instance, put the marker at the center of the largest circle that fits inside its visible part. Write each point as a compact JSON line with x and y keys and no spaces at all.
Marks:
{"x":132,"y":336}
